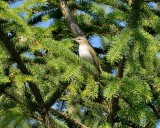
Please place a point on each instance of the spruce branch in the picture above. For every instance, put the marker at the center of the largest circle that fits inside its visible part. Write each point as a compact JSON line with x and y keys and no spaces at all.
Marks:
{"x":56,"y":95}
{"x":115,"y":100}
{"x":155,"y":109}
{"x":68,"y":119}
{"x":121,"y":68}
{"x":12,"y":97}
{"x":128,"y":123}
{"x":69,"y":19}
{"x":36,"y":91}
{"x":16,"y":57}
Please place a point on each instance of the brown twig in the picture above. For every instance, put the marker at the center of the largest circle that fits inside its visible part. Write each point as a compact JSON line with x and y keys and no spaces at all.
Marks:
{"x":68,"y":119}
{"x":69,"y":19}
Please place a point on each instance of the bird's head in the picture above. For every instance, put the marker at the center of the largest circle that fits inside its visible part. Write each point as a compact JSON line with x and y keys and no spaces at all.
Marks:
{"x":81,"y":40}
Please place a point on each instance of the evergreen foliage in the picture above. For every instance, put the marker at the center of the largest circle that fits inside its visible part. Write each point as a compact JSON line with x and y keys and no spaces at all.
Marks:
{"x":44,"y":83}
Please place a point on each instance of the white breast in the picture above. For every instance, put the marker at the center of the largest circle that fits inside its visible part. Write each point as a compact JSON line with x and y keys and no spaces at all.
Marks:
{"x":85,"y":53}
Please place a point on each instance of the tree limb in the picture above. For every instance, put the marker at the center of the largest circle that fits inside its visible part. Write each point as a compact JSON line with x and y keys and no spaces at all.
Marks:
{"x":121,"y":68}
{"x":56,"y":95}
{"x":68,"y":119}
{"x":155,"y":109}
{"x":69,"y":19}
{"x":16,"y":57}
{"x":114,"y":107}
{"x":10,"y":96}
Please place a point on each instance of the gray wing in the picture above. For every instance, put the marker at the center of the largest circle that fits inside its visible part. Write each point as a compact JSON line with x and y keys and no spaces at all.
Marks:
{"x":94,"y":56}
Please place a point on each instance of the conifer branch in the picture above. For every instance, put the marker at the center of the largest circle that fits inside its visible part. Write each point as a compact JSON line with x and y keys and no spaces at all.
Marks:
{"x":16,"y":57}
{"x":113,"y":111}
{"x":18,"y":101}
{"x":36,"y":117}
{"x":137,"y":40}
{"x":56,"y":95}
{"x":128,"y":123}
{"x":69,"y":19}
{"x":155,"y":109}
{"x":46,"y":120}
{"x":68,"y":119}
{"x":36,"y":92}
{"x":10,"y":96}
{"x":114,"y":107}
{"x":121,"y":68}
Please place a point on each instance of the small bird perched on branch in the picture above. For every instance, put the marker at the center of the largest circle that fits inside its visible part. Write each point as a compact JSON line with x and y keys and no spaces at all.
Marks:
{"x":86,"y":52}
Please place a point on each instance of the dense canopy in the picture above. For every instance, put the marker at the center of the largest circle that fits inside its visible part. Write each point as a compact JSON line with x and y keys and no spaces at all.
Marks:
{"x":43,"y":81}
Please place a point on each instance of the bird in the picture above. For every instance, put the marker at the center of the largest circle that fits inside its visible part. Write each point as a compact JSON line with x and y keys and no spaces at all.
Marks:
{"x":86,"y":52}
